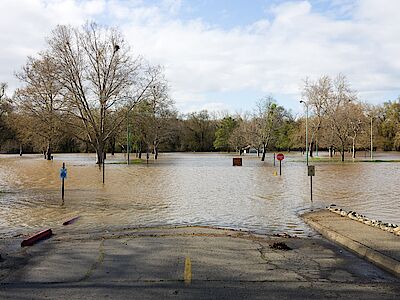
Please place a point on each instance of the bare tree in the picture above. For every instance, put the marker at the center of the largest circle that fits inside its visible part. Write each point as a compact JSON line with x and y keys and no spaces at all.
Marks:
{"x":338,"y":111}
{"x":357,"y":121}
{"x":160,"y":111}
{"x":5,"y":102}
{"x":98,"y":76}
{"x":40,"y":100}
{"x":317,"y":94}
{"x":3,"y":87}
{"x":244,"y":134}
{"x":6,"y":131}
{"x":268,"y":118}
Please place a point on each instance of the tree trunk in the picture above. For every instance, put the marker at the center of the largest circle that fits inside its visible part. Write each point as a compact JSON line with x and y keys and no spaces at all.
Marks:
{"x":354,"y":149}
{"x":310,"y":149}
{"x":140,"y":149}
{"x":264,"y":152}
{"x":155,"y":151}
{"x":100,"y":153}
{"x":48,"y":151}
{"x":342,"y":153}
{"x":147,"y":154}
{"x":112,"y":144}
{"x":20,"y":149}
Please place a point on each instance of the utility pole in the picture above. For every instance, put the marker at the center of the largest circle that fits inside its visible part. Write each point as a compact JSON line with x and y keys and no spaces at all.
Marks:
{"x":306,"y":105}
{"x":371,"y":138}
{"x":127,"y":137}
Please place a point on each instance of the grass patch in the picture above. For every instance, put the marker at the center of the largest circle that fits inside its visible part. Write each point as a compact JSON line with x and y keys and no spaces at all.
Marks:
{"x":347,"y":160}
{"x":131,"y":161}
{"x":6,"y":192}
{"x":381,"y":160}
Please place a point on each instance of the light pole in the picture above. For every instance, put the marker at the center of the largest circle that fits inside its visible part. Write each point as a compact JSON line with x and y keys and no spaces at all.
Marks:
{"x":306,"y":105}
{"x":127,"y":137}
{"x":371,"y":138}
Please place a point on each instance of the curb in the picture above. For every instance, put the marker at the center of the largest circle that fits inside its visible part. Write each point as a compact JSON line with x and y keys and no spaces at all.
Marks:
{"x":45,"y":234}
{"x":381,"y":260}
{"x":71,"y":221}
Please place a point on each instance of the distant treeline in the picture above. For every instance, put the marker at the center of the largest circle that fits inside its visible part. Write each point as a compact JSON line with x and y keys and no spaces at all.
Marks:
{"x":86,"y":93}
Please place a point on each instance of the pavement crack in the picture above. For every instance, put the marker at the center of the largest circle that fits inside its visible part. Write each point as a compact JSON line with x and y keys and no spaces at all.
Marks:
{"x":261,"y":249}
{"x":96,"y":264}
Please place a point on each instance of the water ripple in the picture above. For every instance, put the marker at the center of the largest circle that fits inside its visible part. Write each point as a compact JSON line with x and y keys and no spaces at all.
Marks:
{"x":191,"y":189}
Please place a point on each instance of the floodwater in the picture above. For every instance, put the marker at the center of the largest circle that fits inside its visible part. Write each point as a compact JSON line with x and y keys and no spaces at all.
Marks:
{"x":189,"y":189}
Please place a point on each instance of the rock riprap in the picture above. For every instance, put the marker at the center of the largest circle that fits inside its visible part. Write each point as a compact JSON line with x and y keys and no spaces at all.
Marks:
{"x":390,"y":227}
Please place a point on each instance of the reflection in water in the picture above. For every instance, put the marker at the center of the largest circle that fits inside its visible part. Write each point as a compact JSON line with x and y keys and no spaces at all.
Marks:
{"x":201,"y":189}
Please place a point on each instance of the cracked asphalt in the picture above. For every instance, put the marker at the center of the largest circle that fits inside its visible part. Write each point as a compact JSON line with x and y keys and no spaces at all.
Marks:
{"x":187,"y":262}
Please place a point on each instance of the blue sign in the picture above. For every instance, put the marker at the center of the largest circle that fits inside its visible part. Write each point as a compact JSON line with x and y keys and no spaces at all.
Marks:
{"x":63,"y":173}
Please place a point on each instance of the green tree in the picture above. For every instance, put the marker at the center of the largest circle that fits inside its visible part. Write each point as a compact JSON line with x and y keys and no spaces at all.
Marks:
{"x":222,"y":136}
{"x":269,"y":119}
{"x":198,"y":132}
{"x":286,"y":133}
{"x":390,"y":125}
{"x":7,"y":133}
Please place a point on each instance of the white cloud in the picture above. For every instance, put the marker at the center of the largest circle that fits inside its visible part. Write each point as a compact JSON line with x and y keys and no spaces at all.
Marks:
{"x":270,"y":55}
{"x":277,"y":55}
{"x":172,"y":6}
{"x":291,"y":10}
{"x":26,"y":24}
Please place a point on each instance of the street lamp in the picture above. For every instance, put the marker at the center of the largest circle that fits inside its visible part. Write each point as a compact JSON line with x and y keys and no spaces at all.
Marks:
{"x":127,"y":137}
{"x":371,"y":138}
{"x":306,"y":105}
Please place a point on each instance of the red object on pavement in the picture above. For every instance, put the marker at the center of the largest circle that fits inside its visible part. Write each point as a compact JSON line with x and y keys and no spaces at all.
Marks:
{"x":280,"y":156}
{"x":71,"y":221}
{"x":45,"y":234}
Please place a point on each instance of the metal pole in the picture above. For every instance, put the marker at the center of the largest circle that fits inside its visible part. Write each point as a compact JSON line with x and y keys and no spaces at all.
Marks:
{"x":311,"y":187}
{"x":62,"y":185}
{"x":127,"y":138}
{"x":280,"y":168}
{"x":306,"y":133}
{"x":371,"y":138}
{"x":306,"y":105}
{"x":104,"y":158}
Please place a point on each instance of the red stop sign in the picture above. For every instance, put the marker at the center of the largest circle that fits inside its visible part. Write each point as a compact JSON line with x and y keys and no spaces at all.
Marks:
{"x":280,"y":156}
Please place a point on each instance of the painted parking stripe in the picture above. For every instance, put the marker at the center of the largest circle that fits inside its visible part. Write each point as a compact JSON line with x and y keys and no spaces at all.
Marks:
{"x":187,"y":275}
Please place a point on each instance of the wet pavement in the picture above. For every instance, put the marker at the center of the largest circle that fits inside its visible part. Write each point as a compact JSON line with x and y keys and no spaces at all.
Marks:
{"x":187,"y":262}
{"x":374,"y":244}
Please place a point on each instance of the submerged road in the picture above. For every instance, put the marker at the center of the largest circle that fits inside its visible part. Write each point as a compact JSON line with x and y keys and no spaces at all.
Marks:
{"x":187,"y":262}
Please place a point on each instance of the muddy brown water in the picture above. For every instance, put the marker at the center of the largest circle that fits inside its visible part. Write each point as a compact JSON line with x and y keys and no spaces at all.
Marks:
{"x":189,"y":189}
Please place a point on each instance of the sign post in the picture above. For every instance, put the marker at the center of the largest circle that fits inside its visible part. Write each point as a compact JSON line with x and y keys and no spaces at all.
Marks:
{"x":280,"y":157}
{"x":63,"y":175}
{"x":311,"y":173}
{"x":104,"y":158}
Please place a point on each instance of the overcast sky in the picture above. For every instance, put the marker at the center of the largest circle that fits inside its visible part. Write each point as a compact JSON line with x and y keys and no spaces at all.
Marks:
{"x":226,"y":54}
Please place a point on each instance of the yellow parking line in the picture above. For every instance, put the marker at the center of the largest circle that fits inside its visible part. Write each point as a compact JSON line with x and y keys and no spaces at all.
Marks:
{"x":187,"y":275}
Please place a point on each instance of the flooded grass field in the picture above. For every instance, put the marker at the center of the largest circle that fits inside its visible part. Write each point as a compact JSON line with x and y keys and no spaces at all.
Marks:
{"x":190,"y":189}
